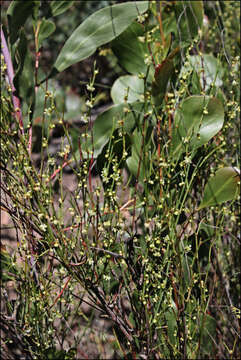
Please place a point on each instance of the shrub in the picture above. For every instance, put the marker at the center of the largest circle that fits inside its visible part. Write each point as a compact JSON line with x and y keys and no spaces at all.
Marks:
{"x":148,"y":233}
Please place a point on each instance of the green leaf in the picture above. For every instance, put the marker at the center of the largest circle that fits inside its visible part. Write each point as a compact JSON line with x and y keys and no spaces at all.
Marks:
{"x":195,"y":87}
{"x":223,"y":186}
{"x":130,"y":51}
{"x":127,"y":85}
{"x":136,"y":149}
{"x":189,"y":17}
{"x":207,"y":67}
{"x":17,"y":13}
{"x":24,"y":77}
{"x":160,"y":52}
{"x":98,"y":29}
{"x":196,"y":120}
{"x":171,"y":316}
{"x":207,"y":332}
{"x":133,"y":161}
{"x":109,"y":120}
{"x":46,"y":28}
{"x":58,"y":7}
{"x":195,"y":18}
{"x":163,"y":73}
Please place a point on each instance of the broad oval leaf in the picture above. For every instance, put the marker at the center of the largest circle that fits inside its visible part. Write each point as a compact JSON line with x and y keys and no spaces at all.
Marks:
{"x":197,"y":119}
{"x":223,"y":186}
{"x":129,"y":87}
{"x":130,"y":51}
{"x":98,"y":29}
{"x":207,"y":67}
{"x":108,"y":121}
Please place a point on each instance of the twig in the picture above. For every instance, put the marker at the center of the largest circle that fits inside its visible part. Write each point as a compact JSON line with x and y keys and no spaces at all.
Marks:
{"x":61,"y":292}
{"x":108,"y":252}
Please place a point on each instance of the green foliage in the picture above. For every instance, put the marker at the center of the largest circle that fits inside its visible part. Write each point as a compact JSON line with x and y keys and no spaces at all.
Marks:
{"x":130,"y":51}
{"x":223,"y":186}
{"x":24,"y":79}
{"x":45,"y":29}
{"x":98,"y":29}
{"x":147,"y":234}
{"x":127,"y":89}
{"x":189,"y":18}
{"x":18,"y":13}
{"x":59,"y":7}
{"x":196,"y":121}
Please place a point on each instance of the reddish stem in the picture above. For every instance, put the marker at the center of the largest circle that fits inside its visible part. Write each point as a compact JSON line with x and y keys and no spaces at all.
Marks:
{"x":153,"y":61}
{"x":58,"y":170}
{"x":90,"y":182}
{"x":159,"y":149}
{"x":30,"y":140}
{"x":61,"y":292}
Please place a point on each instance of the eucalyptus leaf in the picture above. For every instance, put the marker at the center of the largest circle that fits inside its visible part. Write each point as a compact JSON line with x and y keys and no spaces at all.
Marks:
{"x":189,"y":18}
{"x":109,"y":120}
{"x":163,"y":73}
{"x":17,"y":13}
{"x":98,"y":29}
{"x":222,"y":187}
{"x":207,"y":67}
{"x":46,"y":28}
{"x":129,"y":87}
{"x":59,"y":7}
{"x":209,"y":324}
{"x":23,"y":79}
{"x":133,"y":161}
{"x":196,"y":120}
{"x":130,"y":50}
{"x":171,"y":319}
{"x":137,"y":149}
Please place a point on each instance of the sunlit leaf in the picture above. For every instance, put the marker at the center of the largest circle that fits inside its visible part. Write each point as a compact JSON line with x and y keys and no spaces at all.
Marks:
{"x":222,"y":187}
{"x":98,"y":29}
{"x":197,"y":119}
{"x":109,"y":120}
{"x":127,"y":86}
{"x":46,"y":28}
{"x":207,"y":67}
